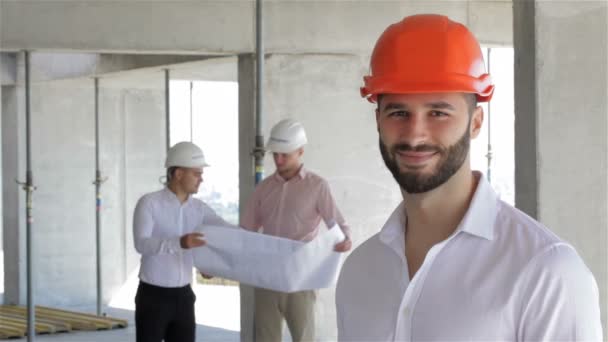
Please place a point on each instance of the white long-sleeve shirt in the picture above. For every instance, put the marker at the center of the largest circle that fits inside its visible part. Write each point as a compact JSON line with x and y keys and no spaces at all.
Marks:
{"x":501,"y":276}
{"x":159,"y":221}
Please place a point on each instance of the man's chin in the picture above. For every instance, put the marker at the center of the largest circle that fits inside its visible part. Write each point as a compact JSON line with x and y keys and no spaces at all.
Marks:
{"x":424,"y":170}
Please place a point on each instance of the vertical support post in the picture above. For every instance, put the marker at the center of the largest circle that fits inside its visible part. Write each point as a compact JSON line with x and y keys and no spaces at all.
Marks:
{"x":489,"y":155}
{"x":258,"y":151}
{"x":167,"y":110}
{"x":191,"y":121}
{"x":98,"y":182}
{"x":29,"y":189}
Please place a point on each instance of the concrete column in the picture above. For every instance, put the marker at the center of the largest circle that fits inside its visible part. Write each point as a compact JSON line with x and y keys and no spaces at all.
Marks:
{"x":246,"y":79}
{"x":561,"y":125}
{"x":1,"y":202}
{"x":1,"y":182}
{"x":13,"y":167}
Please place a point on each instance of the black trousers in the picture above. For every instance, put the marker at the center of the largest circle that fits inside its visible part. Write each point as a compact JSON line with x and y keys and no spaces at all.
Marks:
{"x":163,"y":313}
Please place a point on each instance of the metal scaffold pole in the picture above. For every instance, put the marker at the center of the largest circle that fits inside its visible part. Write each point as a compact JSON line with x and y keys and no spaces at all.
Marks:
{"x":29,"y":188}
{"x":258,"y":151}
{"x":167,"y":111}
{"x":489,"y":154}
{"x":98,"y":181}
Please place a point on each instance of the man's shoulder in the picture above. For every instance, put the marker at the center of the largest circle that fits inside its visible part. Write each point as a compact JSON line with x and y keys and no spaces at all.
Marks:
{"x":372,"y":265}
{"x":313,"y":179}
{"x":265,"y":183}
{"x":522,"y":230}
{"x":313,"y":174}
{"x":151,"y":196}
{"x":371,"y":255}
{"x":533,"y":243}
{"x":356,"y":262}
{"x":199,"y":203}
{"x":559,"y":258}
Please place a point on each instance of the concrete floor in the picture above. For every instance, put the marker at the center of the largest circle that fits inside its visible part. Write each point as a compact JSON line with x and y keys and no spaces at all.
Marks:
{"x":203,"y":332}
{"x":217,"y":316}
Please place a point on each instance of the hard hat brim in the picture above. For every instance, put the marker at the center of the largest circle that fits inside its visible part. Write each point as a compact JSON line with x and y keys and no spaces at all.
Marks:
{"x":451,"y":83}
{"x":282,"y":148}
{"x":197,"y":165}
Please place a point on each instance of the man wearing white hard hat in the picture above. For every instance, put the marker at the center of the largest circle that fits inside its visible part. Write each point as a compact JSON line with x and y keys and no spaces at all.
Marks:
{"x":164,"y":225}
{"x":291,"y":204}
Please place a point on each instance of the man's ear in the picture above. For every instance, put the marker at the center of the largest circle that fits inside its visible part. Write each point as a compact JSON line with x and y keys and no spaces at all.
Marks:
{"x":178,"y":173}
{"x":476,"y":122}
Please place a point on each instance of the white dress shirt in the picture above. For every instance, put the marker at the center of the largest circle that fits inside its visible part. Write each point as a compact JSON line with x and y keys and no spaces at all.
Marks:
{"x":158,"y":223}
{"x":501,"y":276}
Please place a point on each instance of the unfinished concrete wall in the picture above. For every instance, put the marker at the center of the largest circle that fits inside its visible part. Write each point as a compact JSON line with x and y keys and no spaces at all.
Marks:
{"x":144,"y":154}
{"x":562,"y":123}
{"x":132,"y":152}
{"x":1,"y":231}
{"x":291,"y":26}
{"x":63,"y":238}
{"x":131,"y":158}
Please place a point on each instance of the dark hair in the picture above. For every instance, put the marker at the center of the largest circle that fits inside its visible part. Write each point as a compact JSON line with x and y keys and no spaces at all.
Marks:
{"x":471,"y":101}
{"x":171,"y":173}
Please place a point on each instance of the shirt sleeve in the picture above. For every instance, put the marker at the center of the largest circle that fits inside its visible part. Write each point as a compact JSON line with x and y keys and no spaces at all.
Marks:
{"x":560,"y":298}
{"x":326,"y":206}
{"x":250,"y":219}
{"x":143,"y":226}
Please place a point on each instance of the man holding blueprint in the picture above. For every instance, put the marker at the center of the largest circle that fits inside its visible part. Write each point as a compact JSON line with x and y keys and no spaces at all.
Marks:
{"x":290,"y":204}
{"x":164,"y":233}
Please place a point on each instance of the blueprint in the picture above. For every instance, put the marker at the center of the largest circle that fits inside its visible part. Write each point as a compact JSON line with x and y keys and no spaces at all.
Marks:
{"x":270,"y":262}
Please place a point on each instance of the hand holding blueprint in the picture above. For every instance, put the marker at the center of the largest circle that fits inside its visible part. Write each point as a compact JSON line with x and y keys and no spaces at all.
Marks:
{"x":270,"y":262}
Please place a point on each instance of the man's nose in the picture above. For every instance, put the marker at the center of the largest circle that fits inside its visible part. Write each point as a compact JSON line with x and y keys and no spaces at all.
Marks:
{"x":415,"y":131}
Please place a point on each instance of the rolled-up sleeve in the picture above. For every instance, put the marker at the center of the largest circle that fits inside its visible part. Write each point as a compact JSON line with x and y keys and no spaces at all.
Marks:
{"x":327,"y":208}
{"x":250,"y":219}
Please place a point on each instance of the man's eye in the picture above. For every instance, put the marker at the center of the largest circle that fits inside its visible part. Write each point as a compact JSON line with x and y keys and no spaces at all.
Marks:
{"x":399,"y":113}
{"x":438,"y":113}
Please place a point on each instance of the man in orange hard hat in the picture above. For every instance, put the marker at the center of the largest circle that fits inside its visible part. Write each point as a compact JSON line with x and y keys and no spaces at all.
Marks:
{"x":453,"y":262}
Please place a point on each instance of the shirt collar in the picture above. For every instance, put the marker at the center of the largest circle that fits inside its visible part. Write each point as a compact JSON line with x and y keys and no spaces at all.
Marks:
{"x":392,"y":232}
{"x":481,"y":215}
{"x":300,"y":175}
{"x":478,"y":220}
{"x":171,"y":196}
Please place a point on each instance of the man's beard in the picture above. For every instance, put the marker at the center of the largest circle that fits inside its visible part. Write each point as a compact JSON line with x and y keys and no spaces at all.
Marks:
{"x":414,"y":182}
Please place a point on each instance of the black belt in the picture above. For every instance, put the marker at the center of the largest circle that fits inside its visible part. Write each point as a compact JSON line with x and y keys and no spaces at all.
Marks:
{"x":166,"y":291}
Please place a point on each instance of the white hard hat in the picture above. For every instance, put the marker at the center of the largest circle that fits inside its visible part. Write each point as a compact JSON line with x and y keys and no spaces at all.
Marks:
{"x":286,"y":136}
{"x":185,"y":154}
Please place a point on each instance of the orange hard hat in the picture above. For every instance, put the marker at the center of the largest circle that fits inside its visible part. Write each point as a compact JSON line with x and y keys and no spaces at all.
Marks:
{"x":427,"y":53}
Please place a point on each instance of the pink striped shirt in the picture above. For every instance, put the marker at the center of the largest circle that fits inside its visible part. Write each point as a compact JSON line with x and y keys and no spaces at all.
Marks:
{"x":292,"y":209}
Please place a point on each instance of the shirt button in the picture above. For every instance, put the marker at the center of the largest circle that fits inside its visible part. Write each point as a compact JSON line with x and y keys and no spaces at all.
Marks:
{"x":406,"y":311}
